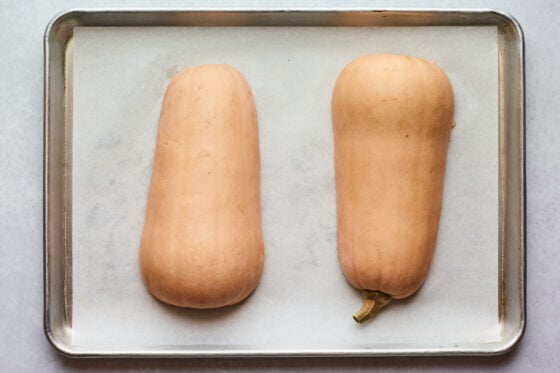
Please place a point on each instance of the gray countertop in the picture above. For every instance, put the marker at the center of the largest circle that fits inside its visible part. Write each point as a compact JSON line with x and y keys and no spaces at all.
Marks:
{"x":23,"y":346}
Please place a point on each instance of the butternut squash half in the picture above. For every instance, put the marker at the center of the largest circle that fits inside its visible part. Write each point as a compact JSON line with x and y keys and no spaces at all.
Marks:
{"x":392,"y":117}
{"x":202,"y":243}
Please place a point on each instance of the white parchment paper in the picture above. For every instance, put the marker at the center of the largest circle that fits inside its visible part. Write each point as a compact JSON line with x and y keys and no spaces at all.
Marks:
{"x":303,"y":301}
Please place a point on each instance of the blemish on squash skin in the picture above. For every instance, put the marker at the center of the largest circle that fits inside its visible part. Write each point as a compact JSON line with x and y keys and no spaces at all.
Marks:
{"x":241,"y":210}
{"x":203,"y":154}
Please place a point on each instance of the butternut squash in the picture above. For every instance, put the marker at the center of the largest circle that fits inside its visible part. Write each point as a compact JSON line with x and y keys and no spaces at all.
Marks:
{"x":392,"y":118}
{"x":202,"y":243}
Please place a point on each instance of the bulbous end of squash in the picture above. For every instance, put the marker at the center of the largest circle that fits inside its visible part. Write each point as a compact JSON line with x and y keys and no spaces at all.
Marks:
{"x":374,"y":301}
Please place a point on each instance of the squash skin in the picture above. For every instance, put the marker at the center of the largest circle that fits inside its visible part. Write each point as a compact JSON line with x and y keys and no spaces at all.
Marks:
{"x":392,"y":117}
{"x":202,"y":243}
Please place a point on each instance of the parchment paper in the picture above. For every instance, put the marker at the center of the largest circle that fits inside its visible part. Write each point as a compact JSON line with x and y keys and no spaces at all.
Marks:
{"x":303,"y":301}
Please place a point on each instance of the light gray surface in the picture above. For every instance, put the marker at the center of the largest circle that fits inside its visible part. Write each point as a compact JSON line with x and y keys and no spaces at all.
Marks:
{"x":22,"y":344}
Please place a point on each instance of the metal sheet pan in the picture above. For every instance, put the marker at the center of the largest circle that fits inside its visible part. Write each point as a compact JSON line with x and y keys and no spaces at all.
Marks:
{"x":58,"y":164}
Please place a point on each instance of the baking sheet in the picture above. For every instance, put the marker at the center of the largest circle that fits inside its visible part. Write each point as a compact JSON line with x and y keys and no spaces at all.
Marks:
{"x":303,"y":301}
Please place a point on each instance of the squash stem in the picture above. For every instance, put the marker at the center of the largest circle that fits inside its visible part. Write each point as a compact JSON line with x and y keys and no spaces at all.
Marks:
{"x":374,"y":301}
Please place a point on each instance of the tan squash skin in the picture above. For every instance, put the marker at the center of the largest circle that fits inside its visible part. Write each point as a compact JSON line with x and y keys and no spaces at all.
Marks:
{"x":202,"y":244}
{"x":392,"y":117}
